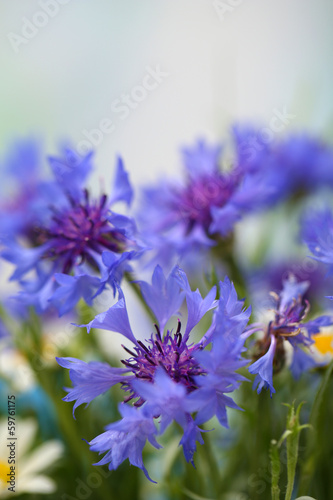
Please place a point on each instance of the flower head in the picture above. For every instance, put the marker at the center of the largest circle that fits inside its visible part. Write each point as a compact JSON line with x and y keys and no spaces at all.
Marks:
{"x":69,"y":253}
{"x":181,"y":217}
{"x":167,"y":378}
{"x":291,"y":309}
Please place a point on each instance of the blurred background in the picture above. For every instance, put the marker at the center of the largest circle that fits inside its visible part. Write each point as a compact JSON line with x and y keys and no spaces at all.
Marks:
{"x":151,"y":76}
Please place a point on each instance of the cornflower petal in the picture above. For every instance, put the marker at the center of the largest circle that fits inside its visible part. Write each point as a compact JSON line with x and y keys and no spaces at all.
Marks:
{"x":89,"y":379}
{"x":196,"y":305}
{"x":122,"y":189}
{"x":263,"y":367}
{"x":163,"y":296}
{"x":114,"y":319}
{"x":126,"y":439}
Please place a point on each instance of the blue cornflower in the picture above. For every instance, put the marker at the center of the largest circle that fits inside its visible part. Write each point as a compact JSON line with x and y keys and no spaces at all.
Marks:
{"x":178,"y":218}
{"x":81,"y":247}
{"x":168,"y":377}
{"x":291,"y":308}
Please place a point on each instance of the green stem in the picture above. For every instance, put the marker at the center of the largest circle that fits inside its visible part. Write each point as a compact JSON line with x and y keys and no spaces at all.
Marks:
{"x":275,"y":469}
{"x":292,"y":454}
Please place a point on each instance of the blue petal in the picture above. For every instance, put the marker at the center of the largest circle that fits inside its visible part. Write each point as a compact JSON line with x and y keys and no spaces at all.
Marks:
{"x":317,"y":233}
{"x":114,"y":319}
{"x":89,"y":379}
{"x":192,"y":434}
{"x":224,"y":219}
{"x":163,"y":296}
{"x":126,"y":439}
{"x":196,"y":305}
{"x":72,"y":289}
{"x":122,"y":189}
{"x":292,"y":289}
{"x":301,"y":362}
{"x":71,"y":171}
{"x":201,"y":159}
{"x":25,"y":259}
{"x":264,"y":368}
{"x":164,"y":397}
{"x":314,"y":325}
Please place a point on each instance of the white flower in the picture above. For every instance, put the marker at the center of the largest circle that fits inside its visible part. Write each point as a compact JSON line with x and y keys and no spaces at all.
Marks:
{"x":28,"y":465}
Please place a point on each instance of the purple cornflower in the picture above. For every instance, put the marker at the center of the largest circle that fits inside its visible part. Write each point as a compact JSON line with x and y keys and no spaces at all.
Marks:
{"x":166,"y":378}
{"x":179,"y":218}
{"x":287,"y":326}
{"x":81,"y":246}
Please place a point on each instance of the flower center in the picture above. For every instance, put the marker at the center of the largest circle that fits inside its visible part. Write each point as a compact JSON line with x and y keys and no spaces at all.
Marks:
{"x":171,"y":353}
{"x":196,"y":200}
{"x":80,"y":230}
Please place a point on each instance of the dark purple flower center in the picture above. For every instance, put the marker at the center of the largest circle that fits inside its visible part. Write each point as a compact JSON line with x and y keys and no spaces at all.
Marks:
{"x":286,"y":322}
{"x":201,"y":194}
{"x":79,"y":231}
{"x":171,"y":353}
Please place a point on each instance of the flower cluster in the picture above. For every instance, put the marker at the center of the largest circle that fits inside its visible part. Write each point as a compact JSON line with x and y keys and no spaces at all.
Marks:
{"x":67,"y":244}
{"x":182,"y":218}
{"x":167,"y":377}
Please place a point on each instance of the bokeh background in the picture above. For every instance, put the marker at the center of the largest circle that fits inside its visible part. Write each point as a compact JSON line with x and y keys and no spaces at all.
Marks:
{"x":222,"y":62}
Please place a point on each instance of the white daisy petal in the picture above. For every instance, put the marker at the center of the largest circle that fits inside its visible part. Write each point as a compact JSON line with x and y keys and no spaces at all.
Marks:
{"x":36,"y":484}
{"x":41,"y":457}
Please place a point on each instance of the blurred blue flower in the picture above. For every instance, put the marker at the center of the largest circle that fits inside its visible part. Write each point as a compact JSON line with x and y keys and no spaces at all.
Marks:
{"x":167,"y":377}
{"x":178,"y":218}
{"x":62,"y":258}
{"x":295,"y":163}
{"x":287,"y":325}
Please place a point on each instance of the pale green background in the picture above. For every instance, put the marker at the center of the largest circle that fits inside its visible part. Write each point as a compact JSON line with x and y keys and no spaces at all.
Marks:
{"x":265,"y":54}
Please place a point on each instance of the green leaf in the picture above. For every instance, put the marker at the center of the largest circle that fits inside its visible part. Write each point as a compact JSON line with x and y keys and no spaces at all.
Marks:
{"x":315,"y":412}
